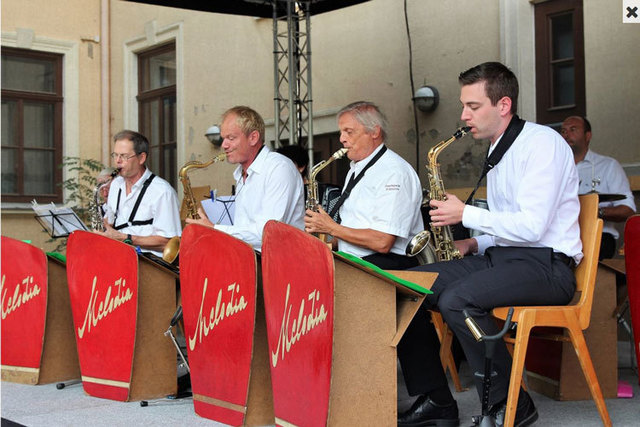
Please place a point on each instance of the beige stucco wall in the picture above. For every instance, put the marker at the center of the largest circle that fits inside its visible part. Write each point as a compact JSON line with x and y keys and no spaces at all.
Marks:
{"x":359,"y":52}
{"x":224,"y":60}
{"x":612,"y":66}
{"x":59,"y":26}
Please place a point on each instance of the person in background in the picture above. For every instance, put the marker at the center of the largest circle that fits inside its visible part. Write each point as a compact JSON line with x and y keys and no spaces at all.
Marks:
{"x":103,"y":181}
{"x":299,"y":156}
{"x":601,"y":174}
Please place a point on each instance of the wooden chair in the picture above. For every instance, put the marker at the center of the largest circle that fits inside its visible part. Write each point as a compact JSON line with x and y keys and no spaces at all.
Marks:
{"x":574,"y":317}
{"x":445,"y":335}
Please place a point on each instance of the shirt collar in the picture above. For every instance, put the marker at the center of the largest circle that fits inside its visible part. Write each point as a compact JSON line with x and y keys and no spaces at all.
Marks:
{"x":143,"y":178}
{"x":356,"y":167}
{"x":257,"y":166}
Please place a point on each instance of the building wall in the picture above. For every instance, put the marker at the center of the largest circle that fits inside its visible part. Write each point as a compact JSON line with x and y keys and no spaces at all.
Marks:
{"x":72,"y":28}
{"x":612,"y":66}
{"x":359,"y":52}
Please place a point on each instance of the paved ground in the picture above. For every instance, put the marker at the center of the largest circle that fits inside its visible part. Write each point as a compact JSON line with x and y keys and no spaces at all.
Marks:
{"x":46,"y":406}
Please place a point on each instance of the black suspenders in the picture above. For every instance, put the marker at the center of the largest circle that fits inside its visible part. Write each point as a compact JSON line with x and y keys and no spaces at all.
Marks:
{"x":131,"y":222}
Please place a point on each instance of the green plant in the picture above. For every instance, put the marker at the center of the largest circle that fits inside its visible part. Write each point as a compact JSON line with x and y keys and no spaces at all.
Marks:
{"x":78,"y":189}
{"x":80,"y":183}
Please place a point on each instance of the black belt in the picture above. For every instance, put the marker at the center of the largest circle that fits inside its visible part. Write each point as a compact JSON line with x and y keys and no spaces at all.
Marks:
{"x":565,"y":259}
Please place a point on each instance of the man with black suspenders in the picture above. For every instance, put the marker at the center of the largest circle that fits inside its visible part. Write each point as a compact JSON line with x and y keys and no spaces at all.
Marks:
{"x":142,"y":208}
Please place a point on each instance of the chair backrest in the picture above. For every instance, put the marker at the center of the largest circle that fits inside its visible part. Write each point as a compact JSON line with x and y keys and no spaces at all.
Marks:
{"x":590,"y":234}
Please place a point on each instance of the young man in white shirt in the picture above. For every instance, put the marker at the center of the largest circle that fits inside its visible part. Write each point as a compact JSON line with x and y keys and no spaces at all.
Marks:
{"x":531,"y":240}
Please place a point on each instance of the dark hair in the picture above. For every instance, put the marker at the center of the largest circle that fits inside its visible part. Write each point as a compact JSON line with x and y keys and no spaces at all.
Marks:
{"x":368,"y":115}
{"x":499,"y":82}
{"x":297,"y":154}
{"x":140,"y":142}
{"x":587,"y":125}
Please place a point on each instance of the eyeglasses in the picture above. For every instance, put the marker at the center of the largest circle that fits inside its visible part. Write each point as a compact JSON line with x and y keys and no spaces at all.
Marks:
{"x":123,"y":157}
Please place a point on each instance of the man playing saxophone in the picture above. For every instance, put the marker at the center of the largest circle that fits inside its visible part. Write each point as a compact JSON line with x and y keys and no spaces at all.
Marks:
{"x":531,"y":240}
{"x":142,"y":209}
{"x":268,"y":185}
{"x":380,"y":204}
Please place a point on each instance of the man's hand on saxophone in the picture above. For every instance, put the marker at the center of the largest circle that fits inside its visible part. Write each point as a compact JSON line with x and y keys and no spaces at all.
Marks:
{"x":446,"y":212}
{"x":449,"y":212}
{"x":320,"y":222}
{"x":203,"y":220}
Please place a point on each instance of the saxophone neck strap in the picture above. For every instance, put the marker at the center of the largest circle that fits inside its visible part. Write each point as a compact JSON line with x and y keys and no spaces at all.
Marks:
{"x":131,"y":222}
{"x":354,"y":180}
{"x":510,"y":134}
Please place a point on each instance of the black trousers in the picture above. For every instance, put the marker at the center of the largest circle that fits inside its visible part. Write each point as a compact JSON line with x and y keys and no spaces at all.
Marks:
{"x":607,"y":246}
{"x":391,"y":261}
{"x":504,"y":276}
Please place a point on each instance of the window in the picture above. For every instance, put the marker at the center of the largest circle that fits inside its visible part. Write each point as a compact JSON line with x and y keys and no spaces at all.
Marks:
{"x":31,"y":125}
{"x":559,"y":60}
{"x":157,"y":108}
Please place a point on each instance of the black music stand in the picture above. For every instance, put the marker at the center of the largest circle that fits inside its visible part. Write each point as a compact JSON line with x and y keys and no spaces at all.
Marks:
{"x":60,"y":224}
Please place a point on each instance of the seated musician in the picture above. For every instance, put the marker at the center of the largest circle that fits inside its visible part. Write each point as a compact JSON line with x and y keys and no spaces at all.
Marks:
{"x":380,"y":211}
{"x":380,"y":215}
{"x":142,"y":208}
{"x":531,"y":242}
{"x":268,"y":185}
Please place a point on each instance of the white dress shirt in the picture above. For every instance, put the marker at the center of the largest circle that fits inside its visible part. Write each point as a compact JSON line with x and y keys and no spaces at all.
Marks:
{"x":273,"y":189}
{"x":386,"y":199}
{"x":605,"y":175}
{"x":532,"y":195}
{"x":160,"y":203}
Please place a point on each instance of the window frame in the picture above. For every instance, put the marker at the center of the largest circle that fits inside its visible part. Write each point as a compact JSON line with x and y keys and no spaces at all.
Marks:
{"x":56,"y":99}
{"x":546,"y":111}
{"x":146,"y":97}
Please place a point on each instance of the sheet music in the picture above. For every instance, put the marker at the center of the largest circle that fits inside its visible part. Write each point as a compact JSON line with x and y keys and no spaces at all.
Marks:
{"x":58,"y":221}
{"x":221,"y":210}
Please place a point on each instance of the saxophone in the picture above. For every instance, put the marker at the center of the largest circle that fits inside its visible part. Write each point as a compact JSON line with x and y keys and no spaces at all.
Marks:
{"x":313,"y":199}
{"x":436,"y":245}
{"x":95,"y":208}
{"x":172,"y":248}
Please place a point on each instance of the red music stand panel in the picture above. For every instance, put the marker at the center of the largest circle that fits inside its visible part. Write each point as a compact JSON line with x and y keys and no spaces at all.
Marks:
{"x":218,"y":286}
{"x":24,"y":307}
{"x":298,"y":282}
{"x":632,"y":268}
{"x":103,"y":289}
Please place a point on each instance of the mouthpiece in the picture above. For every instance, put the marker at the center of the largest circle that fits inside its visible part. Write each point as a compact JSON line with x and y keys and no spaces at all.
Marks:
{"x":115,"y":172}
{"x":461,"y":132}
{"x":341,"y":152}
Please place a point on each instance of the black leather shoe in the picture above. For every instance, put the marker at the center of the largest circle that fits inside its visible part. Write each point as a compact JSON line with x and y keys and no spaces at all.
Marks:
{"x":425,"y":412}
{"x":526,"y":413}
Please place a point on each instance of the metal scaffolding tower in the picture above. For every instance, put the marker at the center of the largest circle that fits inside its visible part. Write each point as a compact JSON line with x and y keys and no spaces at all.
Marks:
{"x":292,"y":73}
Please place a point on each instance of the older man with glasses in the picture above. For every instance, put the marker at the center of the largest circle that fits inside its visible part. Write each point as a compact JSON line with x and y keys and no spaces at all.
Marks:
{"x":142,"y":209}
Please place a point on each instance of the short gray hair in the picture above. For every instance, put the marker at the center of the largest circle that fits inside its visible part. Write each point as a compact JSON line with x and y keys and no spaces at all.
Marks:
{"x":368,"y":115}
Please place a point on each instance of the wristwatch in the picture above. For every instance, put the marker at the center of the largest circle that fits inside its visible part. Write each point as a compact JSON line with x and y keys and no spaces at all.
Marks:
{"x":128,"y":240}
{"x":600,"y":212}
